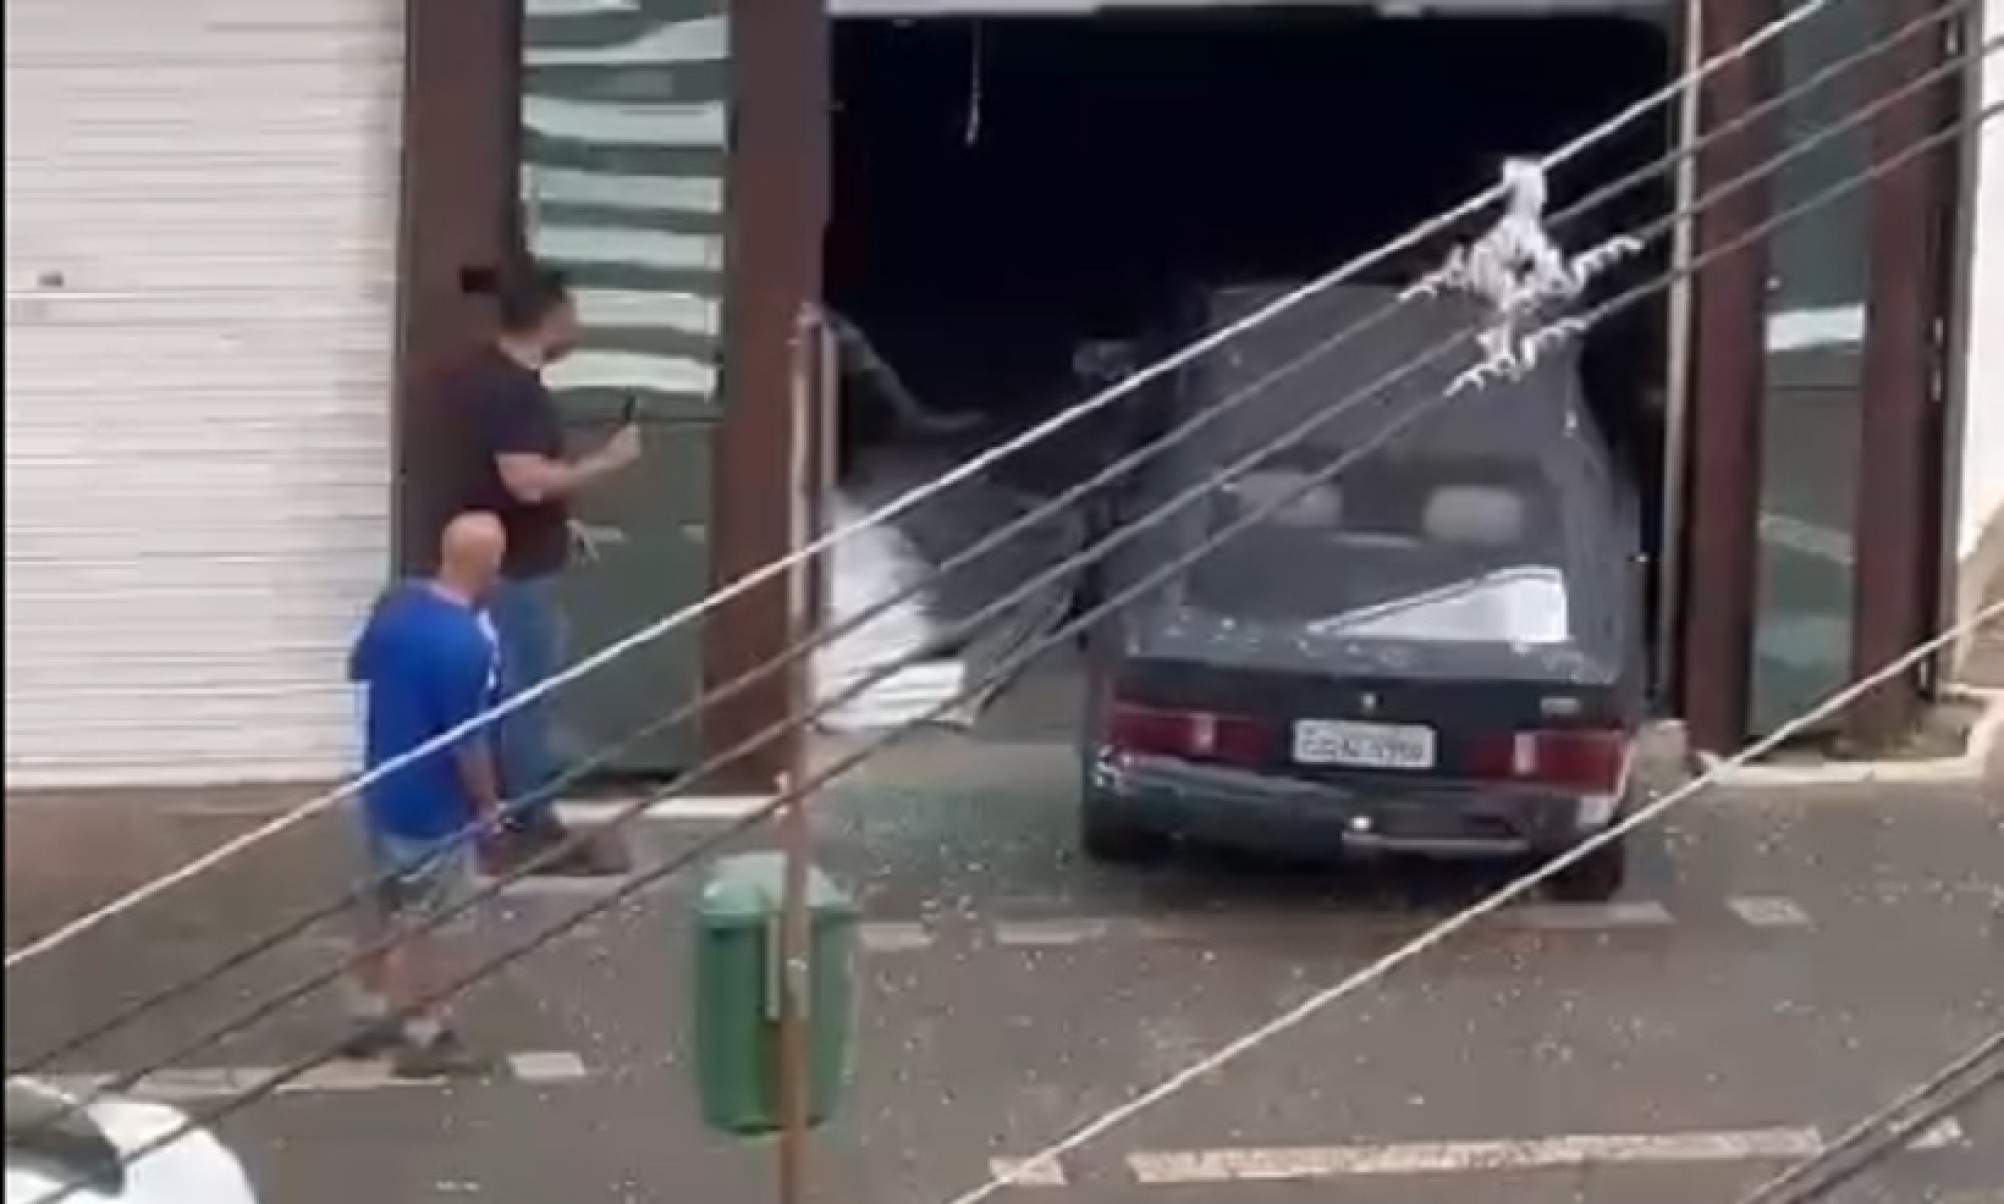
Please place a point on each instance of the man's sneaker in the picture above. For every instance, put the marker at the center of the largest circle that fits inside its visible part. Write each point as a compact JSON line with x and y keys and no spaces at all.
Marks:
{"x":590,"y":860}
{"x":445,"y":1057}
{"x":601,"y":856}
{"x":372,"y":1039}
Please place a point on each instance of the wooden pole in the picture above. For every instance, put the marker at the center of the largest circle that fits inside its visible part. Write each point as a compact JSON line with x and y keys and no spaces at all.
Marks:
{"x":796,"y":930}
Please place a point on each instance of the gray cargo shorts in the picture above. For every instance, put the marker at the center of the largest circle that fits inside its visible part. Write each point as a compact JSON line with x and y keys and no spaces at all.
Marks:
{"x":410,"y":883}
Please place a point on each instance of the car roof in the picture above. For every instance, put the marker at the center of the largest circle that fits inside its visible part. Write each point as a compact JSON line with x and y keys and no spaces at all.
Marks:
{"x":1402,"y":356}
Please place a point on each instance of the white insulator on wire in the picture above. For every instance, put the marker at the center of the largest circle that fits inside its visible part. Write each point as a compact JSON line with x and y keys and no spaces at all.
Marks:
{"x":1525,"y":279}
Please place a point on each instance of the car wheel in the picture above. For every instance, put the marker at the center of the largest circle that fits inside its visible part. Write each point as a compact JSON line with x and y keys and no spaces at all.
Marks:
{"x":1111,"y":835}
{"x":1595,"y":878}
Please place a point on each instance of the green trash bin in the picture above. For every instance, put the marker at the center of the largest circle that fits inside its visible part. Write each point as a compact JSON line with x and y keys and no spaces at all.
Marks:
{"x":738,"y":983}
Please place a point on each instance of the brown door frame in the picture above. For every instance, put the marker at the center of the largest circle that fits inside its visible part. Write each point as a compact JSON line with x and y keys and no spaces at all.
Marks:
{"x":458,"y":218}
{"x":458,"y":157}
{"x":776,"y":188}
{"x":1897,"y":536}
{"x":1960,"y":593}
{"x":1721,"y":580}
{"x":1902,"y":418}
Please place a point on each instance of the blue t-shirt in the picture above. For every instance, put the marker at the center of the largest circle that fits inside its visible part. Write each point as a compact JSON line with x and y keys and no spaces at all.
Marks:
{"x":429,"y":664}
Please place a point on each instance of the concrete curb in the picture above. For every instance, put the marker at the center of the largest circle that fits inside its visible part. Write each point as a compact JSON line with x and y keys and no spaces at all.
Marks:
{"x":1967,"y":769}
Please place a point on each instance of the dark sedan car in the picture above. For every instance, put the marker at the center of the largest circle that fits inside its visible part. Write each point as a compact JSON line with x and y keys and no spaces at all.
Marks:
{"x":1436,"y":651}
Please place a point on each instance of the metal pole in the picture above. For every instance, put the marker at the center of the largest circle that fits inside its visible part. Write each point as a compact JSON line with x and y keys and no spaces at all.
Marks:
{"x":796,"y":935}
{"x":1677,"y":372}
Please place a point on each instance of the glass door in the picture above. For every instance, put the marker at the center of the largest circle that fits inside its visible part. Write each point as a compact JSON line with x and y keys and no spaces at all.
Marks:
{"x":624,"y":123}
{"x":1815,"y":339}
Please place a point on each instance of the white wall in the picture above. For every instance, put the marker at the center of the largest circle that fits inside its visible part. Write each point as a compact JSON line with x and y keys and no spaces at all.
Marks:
{"x":1982,"y":445}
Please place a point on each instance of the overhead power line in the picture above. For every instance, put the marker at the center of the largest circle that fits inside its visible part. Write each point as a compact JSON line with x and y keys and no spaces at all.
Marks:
{"x":998,"y":606}
{"x":997,"y":538}
{"x":1353,"y":983}
{"x":1043,"y":1159}
{"x":1889,"y":1130}
{"x":775,"y":570}
{"x":1247,"y":462}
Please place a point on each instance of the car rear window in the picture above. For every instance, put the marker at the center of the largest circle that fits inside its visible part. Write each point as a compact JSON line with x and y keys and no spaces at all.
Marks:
{"x":1393,"y":531}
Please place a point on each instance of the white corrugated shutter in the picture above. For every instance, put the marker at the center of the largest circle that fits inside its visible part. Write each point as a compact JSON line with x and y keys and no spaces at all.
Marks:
{"x":201,"y":225}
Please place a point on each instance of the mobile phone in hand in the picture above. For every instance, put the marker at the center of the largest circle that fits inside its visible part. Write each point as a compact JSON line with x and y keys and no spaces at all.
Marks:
{"x":630,"y":412}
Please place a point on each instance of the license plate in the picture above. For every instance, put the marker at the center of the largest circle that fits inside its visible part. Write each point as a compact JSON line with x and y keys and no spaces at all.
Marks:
{"x":1363,"y":745}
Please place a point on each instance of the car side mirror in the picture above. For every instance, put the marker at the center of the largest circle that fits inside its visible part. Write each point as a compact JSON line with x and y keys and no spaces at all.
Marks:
{"x":46,"y":1127}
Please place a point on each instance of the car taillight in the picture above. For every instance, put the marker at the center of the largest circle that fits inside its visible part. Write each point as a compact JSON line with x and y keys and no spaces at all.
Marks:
{"x":1585,"y":760}
{"x":1192,"y":735}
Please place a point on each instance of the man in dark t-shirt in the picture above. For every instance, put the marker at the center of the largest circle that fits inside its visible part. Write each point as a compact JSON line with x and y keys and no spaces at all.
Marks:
{"x":517,"y":469}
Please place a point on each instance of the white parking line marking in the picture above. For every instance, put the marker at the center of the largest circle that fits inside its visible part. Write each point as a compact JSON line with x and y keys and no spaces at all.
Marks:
{"x":1048,"y":934}
{"x":1769,"y":911}
{"x":1180,"y":931}
{"x":893,"y":936}
{"x":720,"y":808}
{"x":165,"y":1086}
{"x":547,"y":1067}
{"x":1542,"y":917}
{"x":1049,"y":1174}
{"x":695,"y":808}
{"x":554,"y":888}
{"x":1182,"y":1168}
{"x":1587,"y":917}
{"x":1944,"y":1134}
{"x":1448,"y":1157}
{"x":213,"y":1082}
{"x":335,"y":1076}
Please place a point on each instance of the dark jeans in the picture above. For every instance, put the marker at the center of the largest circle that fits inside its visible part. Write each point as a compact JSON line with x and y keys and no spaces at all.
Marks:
{"x":530,"y":628}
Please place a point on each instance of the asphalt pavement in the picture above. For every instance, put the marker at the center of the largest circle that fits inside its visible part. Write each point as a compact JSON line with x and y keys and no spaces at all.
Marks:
{"x":1780,"y":965}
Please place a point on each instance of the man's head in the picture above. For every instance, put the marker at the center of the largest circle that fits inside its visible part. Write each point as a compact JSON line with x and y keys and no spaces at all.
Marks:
{"x":538,"y":314}
{"x":470,"y":552}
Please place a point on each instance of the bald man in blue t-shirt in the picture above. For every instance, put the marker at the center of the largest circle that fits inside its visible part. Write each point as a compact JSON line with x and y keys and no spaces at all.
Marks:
{"x":428,"y":658}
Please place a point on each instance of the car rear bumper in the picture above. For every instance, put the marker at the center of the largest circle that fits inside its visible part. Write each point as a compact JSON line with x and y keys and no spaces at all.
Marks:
{"x":1234,"y":807}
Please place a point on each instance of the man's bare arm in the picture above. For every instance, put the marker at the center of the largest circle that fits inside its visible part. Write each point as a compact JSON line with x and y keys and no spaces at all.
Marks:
{"x":533,"y":479}
{"x":477,"y":774}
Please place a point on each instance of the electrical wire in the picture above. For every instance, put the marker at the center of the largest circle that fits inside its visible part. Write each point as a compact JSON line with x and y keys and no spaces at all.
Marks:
{"x":257,"y":947}
{"x":1197,"y":423}
{"x":1889,"y":1130}
{"x":1000,"y":536}
{"x":966,"y":470}
{"x":1411,"y":949}
{"x":1439,"y":933}
{"x":1770,"y":106}
{"x":1301,"y":431}
{"x":1489,"y":904}
{"x":292,"y":928}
